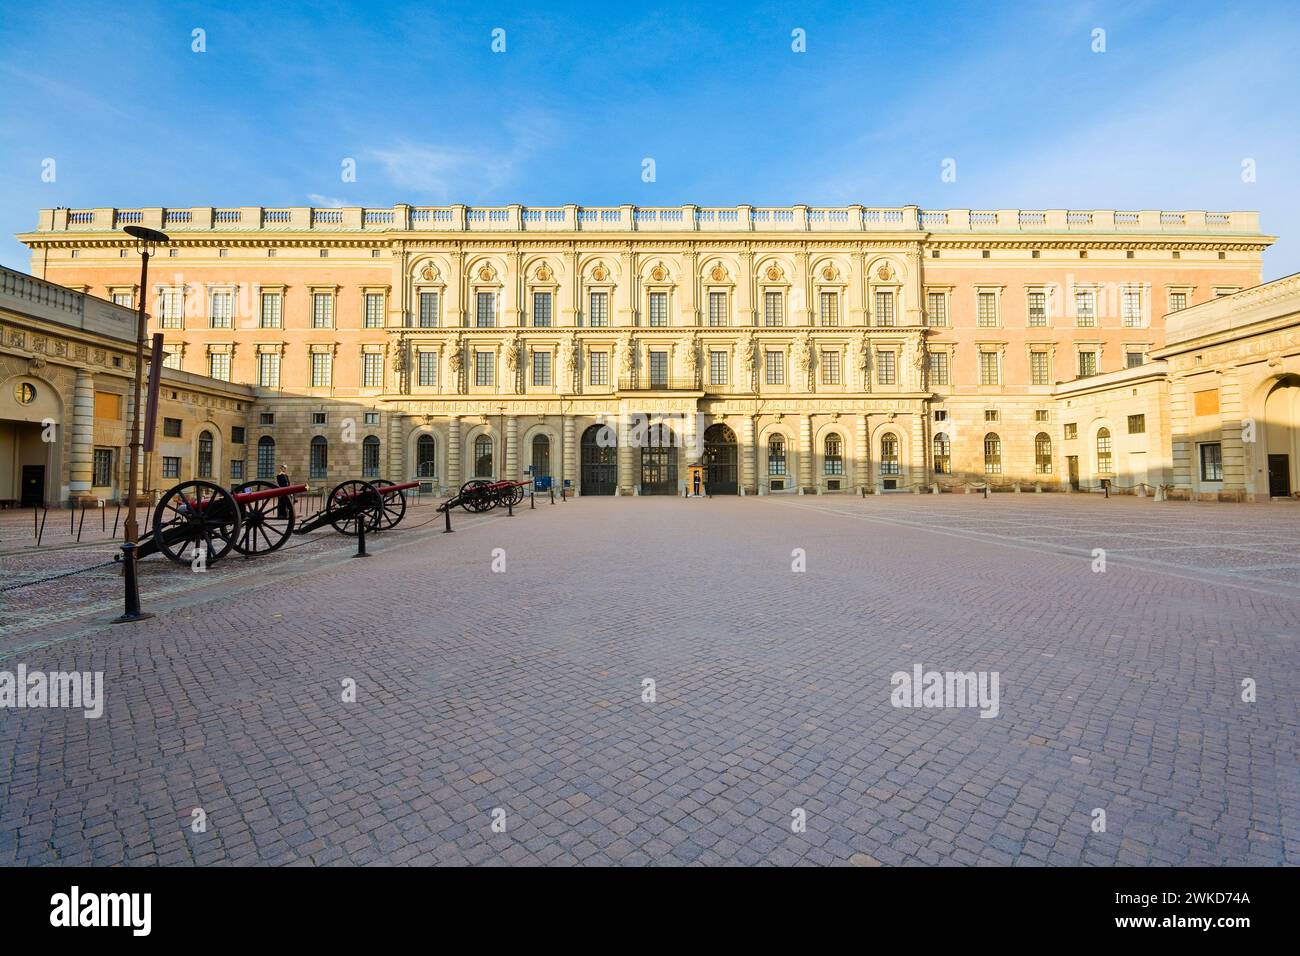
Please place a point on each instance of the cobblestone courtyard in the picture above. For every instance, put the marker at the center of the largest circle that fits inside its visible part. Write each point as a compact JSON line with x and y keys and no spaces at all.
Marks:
{"x":523,"y":690}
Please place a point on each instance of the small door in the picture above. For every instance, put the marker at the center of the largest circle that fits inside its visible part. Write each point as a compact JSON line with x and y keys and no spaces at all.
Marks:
{"x":1072,"y":466}
{"x":1279,"y":476}
{"x":33,"y":486}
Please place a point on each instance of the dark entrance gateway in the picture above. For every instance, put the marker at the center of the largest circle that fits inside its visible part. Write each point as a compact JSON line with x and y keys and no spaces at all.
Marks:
{"x":599,"y":461}
{"x":1279,"y":476}
{"x":659,"y":461}
{"x":720,"y":458}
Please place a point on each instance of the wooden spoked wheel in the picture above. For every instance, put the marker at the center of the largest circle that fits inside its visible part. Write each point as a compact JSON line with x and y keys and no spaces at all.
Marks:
{"x":394,"y":504}
{"x":196,"y":517}
{"x":353,"y":503}
{"x":265,"y":524}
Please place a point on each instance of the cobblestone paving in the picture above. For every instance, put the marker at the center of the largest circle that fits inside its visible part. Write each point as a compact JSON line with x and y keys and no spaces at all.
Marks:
{"x":522,"y":691}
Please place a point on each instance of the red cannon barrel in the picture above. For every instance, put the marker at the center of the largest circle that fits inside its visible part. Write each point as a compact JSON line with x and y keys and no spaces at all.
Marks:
{"x":405,"y":486}
{"x":244,"y":497}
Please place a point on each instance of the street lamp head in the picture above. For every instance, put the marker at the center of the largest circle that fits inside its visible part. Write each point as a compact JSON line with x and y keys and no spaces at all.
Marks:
{"x":146,"y":237}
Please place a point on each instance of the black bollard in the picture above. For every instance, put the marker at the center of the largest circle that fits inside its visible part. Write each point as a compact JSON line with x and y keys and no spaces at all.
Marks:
{"x":552,"y":494}
{"x":133,"y":612}
{"x":447,"y":514}
{"x":361,"y":538}
{"x":986,"y":491}
{"x":510,"y":506}
{"x":532,"y":505}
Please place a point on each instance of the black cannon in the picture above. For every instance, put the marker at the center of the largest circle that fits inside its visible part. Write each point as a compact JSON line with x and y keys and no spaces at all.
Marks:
{"x":349,"y":507}
{"x":480,"y":495}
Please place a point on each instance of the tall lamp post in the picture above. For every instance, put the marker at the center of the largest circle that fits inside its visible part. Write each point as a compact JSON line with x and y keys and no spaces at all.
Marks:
{"x":146,"y":241}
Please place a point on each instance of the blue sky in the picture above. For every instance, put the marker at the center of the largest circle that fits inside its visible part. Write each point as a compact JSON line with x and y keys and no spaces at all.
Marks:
{"x":712,"y":92}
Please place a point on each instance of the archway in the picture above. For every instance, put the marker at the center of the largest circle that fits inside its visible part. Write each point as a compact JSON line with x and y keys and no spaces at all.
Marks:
{"x":1282,"y":437}
{"x":720,"y":457}
{"x":599,"y":460}
{"x":659,"y":461}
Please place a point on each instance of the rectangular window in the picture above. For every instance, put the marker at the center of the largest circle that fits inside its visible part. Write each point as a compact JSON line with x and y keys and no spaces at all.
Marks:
{"x":172,"y":356}
{"x":236,"y":469}
{"x":938,"y":368}
{"x":1040,"y":368}
{"x":103,"y":467}
{"x":773,"y":309}
{"x":428,"y":310}
{"x":1071,"y":430}
{"x":599,"y":364}
{"x":989,"y":371}
{"x":484,"y":368}
{"x":1132,"y":308}
{"x":658,"y":369}
{"x":937,"y":309}
{"x":171,"y":309}
{"x":427,"y":369}
{"x":237,"y":434}
{"x":124,"y":299}
{"x":541,"y":310}
{"x":271,"y":316}
{"x":1211,"y":462}
{"x":372,"y":370}
{"x":1087,"y":364}
{"x":1037,"y":310}
{"x":223,"y":310}
{"x":371,"y":418}
{"x":992,"y":415}
{"x":322,"y":369}
{"x":1134,"y":359}
{"x":830,"y":303}
{"x":598,"y":311}
{"x":171,"y":466}
{"x":542,"y":368}
{"x":266,"y":418}
{"x":884,"y":308}
{"x":718,"y":308}
{"x":987,"y":310}
{"x":717,"y":368}
{"x":322,"y":310}
{"x":171,"y":428}
{"x":830,"y":368}
{"x":219,"y":366}
{"x":485,"y":310}
{"x":1177,"y":301}
{"x":774,"y":365}
{"x":658,"y":309}
{"x":1085,"y":309}
{"x":1137,"y":424}
{"x":268,"y":369}
{"x":886,"y":368}
{"x":374,"y":317}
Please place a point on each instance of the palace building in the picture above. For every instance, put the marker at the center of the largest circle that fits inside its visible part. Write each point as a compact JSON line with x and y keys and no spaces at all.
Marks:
{"x":789,"y":349}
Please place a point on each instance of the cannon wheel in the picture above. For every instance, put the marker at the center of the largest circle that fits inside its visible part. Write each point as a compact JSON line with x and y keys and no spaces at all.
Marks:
{"x":473,"y":502}
{"x":263,"y":527}
{"x":370,"y":510}
{"x":516,"y":494}
{"x":394,"y":504}
{"x":196,"y":513}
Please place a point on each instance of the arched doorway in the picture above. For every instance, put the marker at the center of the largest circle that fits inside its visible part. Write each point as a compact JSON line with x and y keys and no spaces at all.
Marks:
{"x":720,"y":458}
{"x":659,"y":461}
{"x":1282,"y":437}
{"x":599,"y":460}
{"x":541,"y":461}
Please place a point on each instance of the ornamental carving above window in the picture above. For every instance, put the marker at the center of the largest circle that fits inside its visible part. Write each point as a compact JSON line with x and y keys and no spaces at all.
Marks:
{"x":599,"y":273}
{"x":659,"y":273}
{"x":885,"y":272}
{"x":544,"y":273}
{"x":774,"y":273}
{"x":486,"y":274}
{"x":429,"y":273}
{"x":718,"y":274}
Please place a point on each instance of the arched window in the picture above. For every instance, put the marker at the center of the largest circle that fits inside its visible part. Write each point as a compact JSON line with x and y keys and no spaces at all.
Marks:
{"x":541,"y":455}
{"x":1105,"y":462}
{"x":370,"y":457}
{"x":425,"y":457}
{"x":776,"y":455}
{"x":1043,"y":454}
{"x":266,"y":457}
{"x":320,"y":457}
{"x":203,"y":467}
{"x":942,"y":454}
{"x":992,"y":454}
{"x":834,"y":455}
{"x":483,"y":457}
{"x":889,"y":454}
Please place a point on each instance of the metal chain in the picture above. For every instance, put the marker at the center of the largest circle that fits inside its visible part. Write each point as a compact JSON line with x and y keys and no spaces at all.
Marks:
{"x":55,"y":577}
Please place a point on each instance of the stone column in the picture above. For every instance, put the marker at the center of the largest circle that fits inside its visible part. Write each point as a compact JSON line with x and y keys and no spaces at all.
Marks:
{"x":861,"y":453}
{"x":397,"y":470}
{"x":748,"y":452}
{"x":512,"y":448}
{"x":805,"y":453}
{"x":570,"y":471}
{"x":627,"y":478}
{"x":454,"y":478}
{"x":81,"y":447}
{"x":916,"y":463}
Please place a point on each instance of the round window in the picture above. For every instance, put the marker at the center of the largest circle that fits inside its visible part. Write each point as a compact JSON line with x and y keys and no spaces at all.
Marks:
{"x":25,"y":392}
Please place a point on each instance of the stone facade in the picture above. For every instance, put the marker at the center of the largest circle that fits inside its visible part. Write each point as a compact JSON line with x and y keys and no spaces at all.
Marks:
{"x":67,"y":363}
{"x":792,"y":349}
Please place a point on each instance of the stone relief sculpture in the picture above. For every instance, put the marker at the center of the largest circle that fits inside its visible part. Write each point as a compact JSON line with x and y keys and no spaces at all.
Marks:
{"x":804,"y":354}
{"x":569,"y":361}
{"x":513,"y":354}
{"x":455,"y":360}
{"x":399,"y":359}
{"x":626,"y":353}
{"x":748,"y":355}
{"x":691,"y":356}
